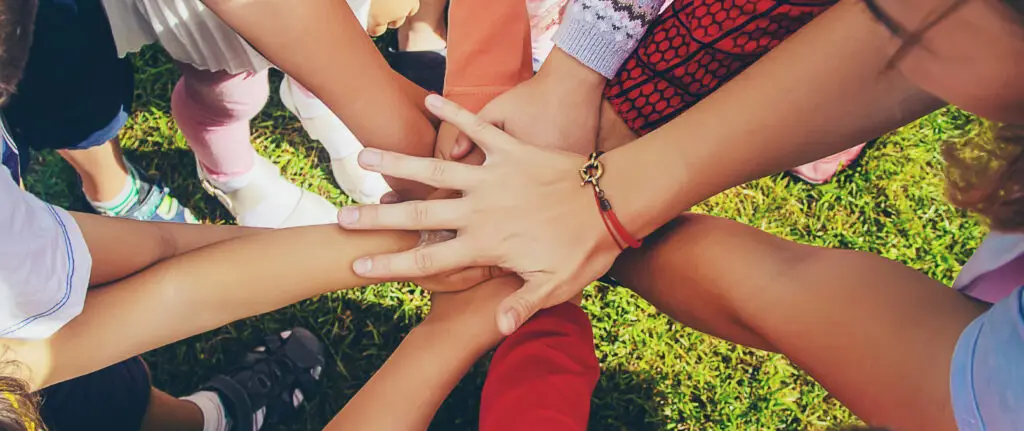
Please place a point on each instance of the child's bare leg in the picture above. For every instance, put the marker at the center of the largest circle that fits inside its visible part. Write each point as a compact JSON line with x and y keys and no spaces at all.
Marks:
{"x":101,"y":168}
{"x":878,"y":335}
{"x":166,"y":413}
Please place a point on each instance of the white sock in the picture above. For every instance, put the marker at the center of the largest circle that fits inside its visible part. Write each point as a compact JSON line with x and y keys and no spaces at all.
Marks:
{"x":280,"y":200}
{"x":214,"y":416}
{"x":340,"y":142}
{"x":321,"y":123}
{"x":124,"y":200}
{"x":234,"y":183}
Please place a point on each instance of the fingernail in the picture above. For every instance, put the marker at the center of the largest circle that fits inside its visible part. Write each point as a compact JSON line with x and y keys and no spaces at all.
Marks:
{"x":507,"y":322}
{"x":460,"y":147}
{"x":362,"y":266}
{"x":434,"y":101}
{"x":348,"y":215}
{"x":370,"y":157}
{"x":389,"y":198}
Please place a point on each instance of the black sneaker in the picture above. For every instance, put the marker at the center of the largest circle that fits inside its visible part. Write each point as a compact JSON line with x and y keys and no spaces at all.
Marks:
{"x":272,"y":381}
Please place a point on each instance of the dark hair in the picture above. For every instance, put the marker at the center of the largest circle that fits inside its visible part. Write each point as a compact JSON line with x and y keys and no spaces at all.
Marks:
{"x":17,"y":21}
{"x":19,"y":407}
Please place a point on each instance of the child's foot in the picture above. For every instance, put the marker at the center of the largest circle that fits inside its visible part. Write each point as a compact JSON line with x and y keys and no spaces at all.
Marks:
{"x":267,"y":387}
{"x":320,"y":123}
{"x":263,"y":198}
{"x":144,"y":198}
{"x":822,"y":170}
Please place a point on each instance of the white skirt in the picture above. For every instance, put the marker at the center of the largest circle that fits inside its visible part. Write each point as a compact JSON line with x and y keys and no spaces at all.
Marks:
{"x":190,"y":32}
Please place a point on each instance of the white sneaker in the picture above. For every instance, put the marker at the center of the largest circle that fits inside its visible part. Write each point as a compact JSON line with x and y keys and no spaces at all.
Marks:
{"x":271,"y":201}
{"x":321,"y":124}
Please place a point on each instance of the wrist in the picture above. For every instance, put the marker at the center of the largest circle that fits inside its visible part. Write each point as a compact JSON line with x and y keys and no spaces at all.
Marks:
{"x":565,"y":71}
{"x":474,"y":336}
{"x":664,"y":181}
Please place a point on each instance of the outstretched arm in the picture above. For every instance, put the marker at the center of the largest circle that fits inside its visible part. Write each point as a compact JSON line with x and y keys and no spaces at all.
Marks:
{"x":121,"y":247}
{"x":199,"y":291}
{"x":877,"y":334}
{"x":542,"y":377}
{"x":322,"y":45}
{"x":459,"y":329}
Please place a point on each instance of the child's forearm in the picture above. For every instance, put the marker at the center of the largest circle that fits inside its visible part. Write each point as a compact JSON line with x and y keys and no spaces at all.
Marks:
{"x":430,"y":361}
{"x":121,"y":247}
{"x":200,"y":291}
{"x":877,"y":334}
{"x":321,"y":44}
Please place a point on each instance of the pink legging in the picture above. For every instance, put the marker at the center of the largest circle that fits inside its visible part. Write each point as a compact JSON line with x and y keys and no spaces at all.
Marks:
{"x":213,"y":110}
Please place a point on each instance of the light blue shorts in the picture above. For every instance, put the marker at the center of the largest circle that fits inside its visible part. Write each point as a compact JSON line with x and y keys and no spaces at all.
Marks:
{"x":987,"y":371}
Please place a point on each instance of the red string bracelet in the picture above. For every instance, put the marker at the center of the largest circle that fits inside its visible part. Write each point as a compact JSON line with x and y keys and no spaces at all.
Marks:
{"x":591,"y":172}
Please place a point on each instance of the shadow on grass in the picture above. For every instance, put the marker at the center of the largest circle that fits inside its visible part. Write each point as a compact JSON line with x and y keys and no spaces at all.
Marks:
{"x":359,"y":335}
{"x":626,"y":400}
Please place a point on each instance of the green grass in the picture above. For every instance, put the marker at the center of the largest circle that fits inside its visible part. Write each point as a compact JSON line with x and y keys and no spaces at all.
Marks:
{"x":656,"y":374}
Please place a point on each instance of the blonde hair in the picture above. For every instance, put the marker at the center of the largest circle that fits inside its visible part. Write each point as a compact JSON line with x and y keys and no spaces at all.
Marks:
{"x":985,"y":174}
{"x":19,"y":407}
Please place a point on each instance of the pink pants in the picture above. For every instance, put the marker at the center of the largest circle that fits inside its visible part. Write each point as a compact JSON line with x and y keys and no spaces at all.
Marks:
{"x":213,"y":110}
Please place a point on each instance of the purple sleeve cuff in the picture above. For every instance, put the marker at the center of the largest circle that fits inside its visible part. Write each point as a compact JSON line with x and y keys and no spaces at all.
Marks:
{"x":602,"y":33}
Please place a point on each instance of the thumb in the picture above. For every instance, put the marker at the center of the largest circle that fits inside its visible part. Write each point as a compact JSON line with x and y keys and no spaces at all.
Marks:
{"x":463,"y":146}
{"x":518,"y":307}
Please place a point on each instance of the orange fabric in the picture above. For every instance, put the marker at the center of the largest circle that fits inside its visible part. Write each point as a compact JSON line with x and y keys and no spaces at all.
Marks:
{"x":489,"y":50}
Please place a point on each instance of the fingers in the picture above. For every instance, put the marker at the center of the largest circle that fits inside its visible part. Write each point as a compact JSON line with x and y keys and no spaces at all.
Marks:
{"x":487,"y":136}
{"x":463,"y":145}
{"x":432,"y":172}
{"x":518,"y":307}
{"x":470,"y":277}
{"x":419,"y":262}
{"x":414,"y":215}
{"x":391,"y":197}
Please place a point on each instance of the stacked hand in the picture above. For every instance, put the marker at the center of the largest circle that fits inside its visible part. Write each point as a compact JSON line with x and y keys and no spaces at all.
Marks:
{"x":558,"y":108}
{"x":523,"y":210}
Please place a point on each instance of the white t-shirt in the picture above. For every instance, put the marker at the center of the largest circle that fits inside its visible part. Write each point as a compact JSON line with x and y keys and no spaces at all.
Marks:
{"x":191,"y":33}
{"x":44,"y":262}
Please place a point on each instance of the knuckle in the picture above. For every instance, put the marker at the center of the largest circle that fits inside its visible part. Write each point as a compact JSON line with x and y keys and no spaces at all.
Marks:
{"x":523,"y":304}
{"x":423,"y":260}
{"x":419,"y":213}
{"x":478,"y":124}
{"x":437,"y":170}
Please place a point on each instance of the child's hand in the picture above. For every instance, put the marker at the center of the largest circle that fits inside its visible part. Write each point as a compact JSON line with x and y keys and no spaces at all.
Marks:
{"x":473,"y":306}
{"x":558,"y":108}
{"x":450,"y":147}
{"x":461,"y":279}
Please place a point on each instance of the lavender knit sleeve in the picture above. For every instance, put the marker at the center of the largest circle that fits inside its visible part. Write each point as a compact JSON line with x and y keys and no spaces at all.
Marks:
{"x":602,"y":33}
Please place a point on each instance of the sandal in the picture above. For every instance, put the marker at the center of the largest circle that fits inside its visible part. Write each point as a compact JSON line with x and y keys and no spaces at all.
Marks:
{"x":272,"y":381}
